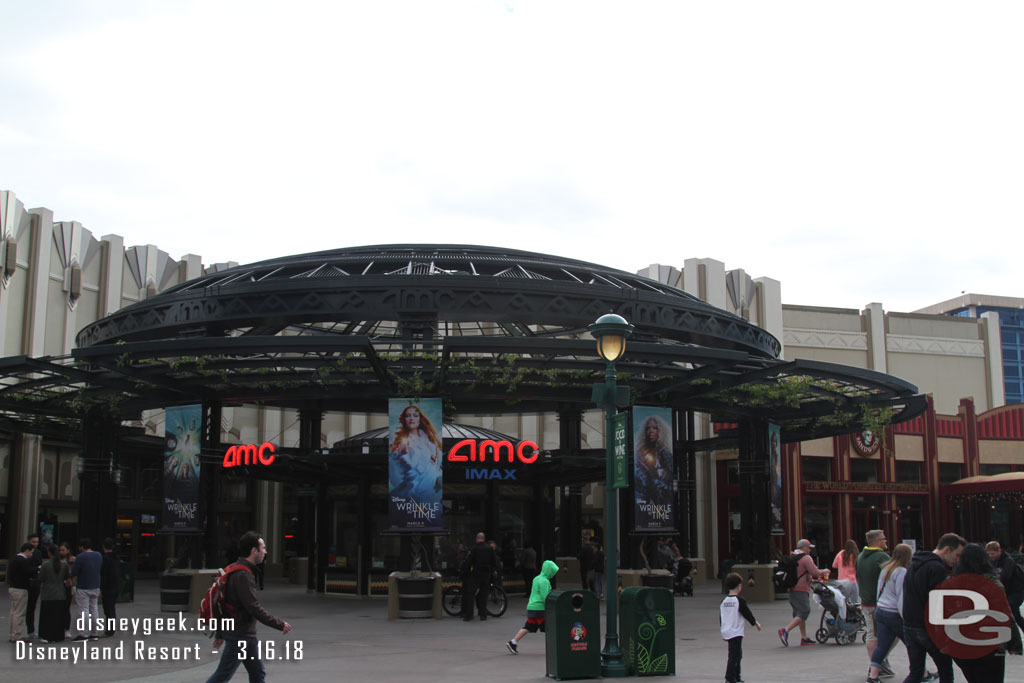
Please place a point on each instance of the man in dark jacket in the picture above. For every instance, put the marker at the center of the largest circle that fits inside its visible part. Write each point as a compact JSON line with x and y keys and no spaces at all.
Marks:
{"x":480,"y":562}
{"x":33,"y":585}
{"x":110,"y":585}
{"x":928,"y":568}
{"x":241,"y":646}
{"x":1012,"y":577}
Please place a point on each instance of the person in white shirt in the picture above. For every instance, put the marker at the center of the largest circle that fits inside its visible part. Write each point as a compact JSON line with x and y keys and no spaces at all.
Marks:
{"x":733,"y":611}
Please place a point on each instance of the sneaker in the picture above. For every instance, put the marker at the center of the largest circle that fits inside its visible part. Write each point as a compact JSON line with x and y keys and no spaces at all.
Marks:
{"x":869,"y":679}
{"x":807,"y":641}
{"x":784,"y":637}
{"x":884,"y":670}
{"x":930,"y":676}
{"x":512,"y":648}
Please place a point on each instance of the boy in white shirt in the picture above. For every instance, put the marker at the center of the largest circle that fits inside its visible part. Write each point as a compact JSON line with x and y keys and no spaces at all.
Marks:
{"x":733,"y":611}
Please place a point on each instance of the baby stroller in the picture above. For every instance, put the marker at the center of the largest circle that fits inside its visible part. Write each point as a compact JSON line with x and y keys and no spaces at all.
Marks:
{"x":841,"y":616}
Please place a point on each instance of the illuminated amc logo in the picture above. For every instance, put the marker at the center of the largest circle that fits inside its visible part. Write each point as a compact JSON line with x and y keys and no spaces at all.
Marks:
{"x":467,"y":450}
{"x":250,"y":454}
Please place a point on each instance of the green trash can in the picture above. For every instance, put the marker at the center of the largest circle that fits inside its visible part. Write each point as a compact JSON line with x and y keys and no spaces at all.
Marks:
{"x":647,"y":629}
{"x":572,"y":634}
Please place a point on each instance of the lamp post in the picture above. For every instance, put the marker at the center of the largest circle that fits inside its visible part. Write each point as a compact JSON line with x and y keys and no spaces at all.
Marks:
{"x":611,"y":331}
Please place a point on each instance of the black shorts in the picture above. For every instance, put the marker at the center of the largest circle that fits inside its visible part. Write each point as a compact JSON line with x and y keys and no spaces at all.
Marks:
{"x":534,"y":621}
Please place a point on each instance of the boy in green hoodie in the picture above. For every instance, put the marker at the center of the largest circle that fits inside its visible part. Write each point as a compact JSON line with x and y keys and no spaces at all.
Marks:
{"x":535,"y":608}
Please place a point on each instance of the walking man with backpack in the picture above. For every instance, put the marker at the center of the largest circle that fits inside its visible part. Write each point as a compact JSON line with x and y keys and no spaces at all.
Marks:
{"x":241,"y":645}
{"x":800,"y":590}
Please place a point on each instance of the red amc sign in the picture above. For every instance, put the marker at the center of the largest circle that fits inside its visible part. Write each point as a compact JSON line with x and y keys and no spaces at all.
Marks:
{"x":250,"y":454}
{"x":468,"y":450}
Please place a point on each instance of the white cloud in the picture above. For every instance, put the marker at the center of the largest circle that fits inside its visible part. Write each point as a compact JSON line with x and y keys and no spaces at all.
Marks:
{"x":855,"y":151}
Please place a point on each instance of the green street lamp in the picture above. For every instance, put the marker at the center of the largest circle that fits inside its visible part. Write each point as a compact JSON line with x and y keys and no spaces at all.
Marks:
{"x":611,"y":332}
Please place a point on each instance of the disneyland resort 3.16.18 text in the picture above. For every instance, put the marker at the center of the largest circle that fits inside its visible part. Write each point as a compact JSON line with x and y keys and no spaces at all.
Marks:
{"x":138,"y":650}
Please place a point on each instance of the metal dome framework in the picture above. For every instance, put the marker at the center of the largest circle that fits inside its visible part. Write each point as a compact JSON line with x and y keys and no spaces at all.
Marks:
{"x":490,"y":330}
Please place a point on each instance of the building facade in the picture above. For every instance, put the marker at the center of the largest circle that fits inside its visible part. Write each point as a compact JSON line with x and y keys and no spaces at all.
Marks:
{"x":837,"y":488}
{"x":1011,"y":329}
{"x":58,"y":278}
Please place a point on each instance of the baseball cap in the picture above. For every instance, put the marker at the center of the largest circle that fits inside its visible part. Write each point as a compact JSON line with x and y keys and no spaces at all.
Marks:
{"x":804,"y":543}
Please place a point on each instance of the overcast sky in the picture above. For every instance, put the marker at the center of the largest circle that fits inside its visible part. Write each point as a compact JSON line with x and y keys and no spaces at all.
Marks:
{"x":858,"y":152}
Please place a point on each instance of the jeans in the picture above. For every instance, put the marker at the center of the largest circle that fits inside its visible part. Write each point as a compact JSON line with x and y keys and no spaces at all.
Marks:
{"x":229,"y":660}
{"x":918,"y":645}
{"x":1015,"y":600}
{"x":109,"y":600}
{"x":988,"y":669}
{"x":87,"y":600}
{"x":888,"y":627}
{"x":732,"y":668}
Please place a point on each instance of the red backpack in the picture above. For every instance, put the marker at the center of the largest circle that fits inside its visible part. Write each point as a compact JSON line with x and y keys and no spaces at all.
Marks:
{"x":214,"y":607}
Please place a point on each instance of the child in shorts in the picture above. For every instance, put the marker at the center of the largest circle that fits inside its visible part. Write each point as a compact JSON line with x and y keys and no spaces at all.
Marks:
{"x":732,"y":613}
{"x":535,"y":607}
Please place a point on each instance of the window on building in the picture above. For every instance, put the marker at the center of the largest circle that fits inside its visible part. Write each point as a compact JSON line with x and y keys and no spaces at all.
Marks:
{"x":732,"y":469}
{"x":950,"y":472}
{"x":989,"y":470}
{"x":815,"y":469}
{"x":234,"y":490}
{"x":863,"y":470}
{"x":818,"y":524}
{"x":908,"y":472}
{"x":911,"y":520}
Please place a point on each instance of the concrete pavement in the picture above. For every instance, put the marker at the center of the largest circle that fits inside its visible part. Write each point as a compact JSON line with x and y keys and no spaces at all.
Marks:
{"x":350,"y":639}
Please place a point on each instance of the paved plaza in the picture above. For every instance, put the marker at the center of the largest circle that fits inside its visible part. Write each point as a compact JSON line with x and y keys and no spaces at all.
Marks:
{"x":350,"y":639}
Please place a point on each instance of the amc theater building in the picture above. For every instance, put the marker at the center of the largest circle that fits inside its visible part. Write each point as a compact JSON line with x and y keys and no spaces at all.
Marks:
{"x":289,"y":365}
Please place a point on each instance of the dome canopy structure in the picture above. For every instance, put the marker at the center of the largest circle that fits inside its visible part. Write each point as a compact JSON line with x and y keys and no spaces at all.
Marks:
{"x":490,"y":330}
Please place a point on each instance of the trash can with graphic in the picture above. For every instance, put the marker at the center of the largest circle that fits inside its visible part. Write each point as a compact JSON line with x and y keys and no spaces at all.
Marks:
{"x":647,"y":631}
{"x":572,"y":634}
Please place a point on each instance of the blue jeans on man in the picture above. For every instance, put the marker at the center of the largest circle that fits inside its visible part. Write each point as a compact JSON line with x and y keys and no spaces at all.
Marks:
{"x":229,"y":660}
{"x":918,"y":645}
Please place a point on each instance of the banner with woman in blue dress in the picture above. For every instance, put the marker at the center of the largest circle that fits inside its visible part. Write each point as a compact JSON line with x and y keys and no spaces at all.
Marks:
{"x":414,"y":464}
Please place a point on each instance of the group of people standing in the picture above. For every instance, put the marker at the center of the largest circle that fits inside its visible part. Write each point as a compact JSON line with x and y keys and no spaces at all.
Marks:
{"x":66,"y":588}
{"x":894,"y":591}
{"x":899,"y":586}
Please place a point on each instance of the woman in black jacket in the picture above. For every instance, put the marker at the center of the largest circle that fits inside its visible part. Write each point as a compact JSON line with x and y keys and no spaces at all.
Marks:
{"x":990,"y":668}
{"x":54,"y":576}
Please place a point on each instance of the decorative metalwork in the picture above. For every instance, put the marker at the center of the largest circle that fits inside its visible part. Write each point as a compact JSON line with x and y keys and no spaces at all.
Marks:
{"x":489,"y":330}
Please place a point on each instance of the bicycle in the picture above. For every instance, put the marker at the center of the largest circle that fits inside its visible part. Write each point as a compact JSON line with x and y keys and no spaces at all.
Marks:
{"x":497,"y":600}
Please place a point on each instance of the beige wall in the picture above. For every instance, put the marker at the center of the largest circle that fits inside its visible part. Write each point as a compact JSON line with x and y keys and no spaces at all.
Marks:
{"x":951,"y":450}
{"x":992,"y":452}
{"x":817,"y":447}
{"x":946,"y":378}
{"x":909,"y":447}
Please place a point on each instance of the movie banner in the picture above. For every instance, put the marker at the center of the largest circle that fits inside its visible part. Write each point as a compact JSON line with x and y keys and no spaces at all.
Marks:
{"x":414,"y":464}
{"x":653,"y":468}
{"x":182,"y":434}
{"x":775,"y":484}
